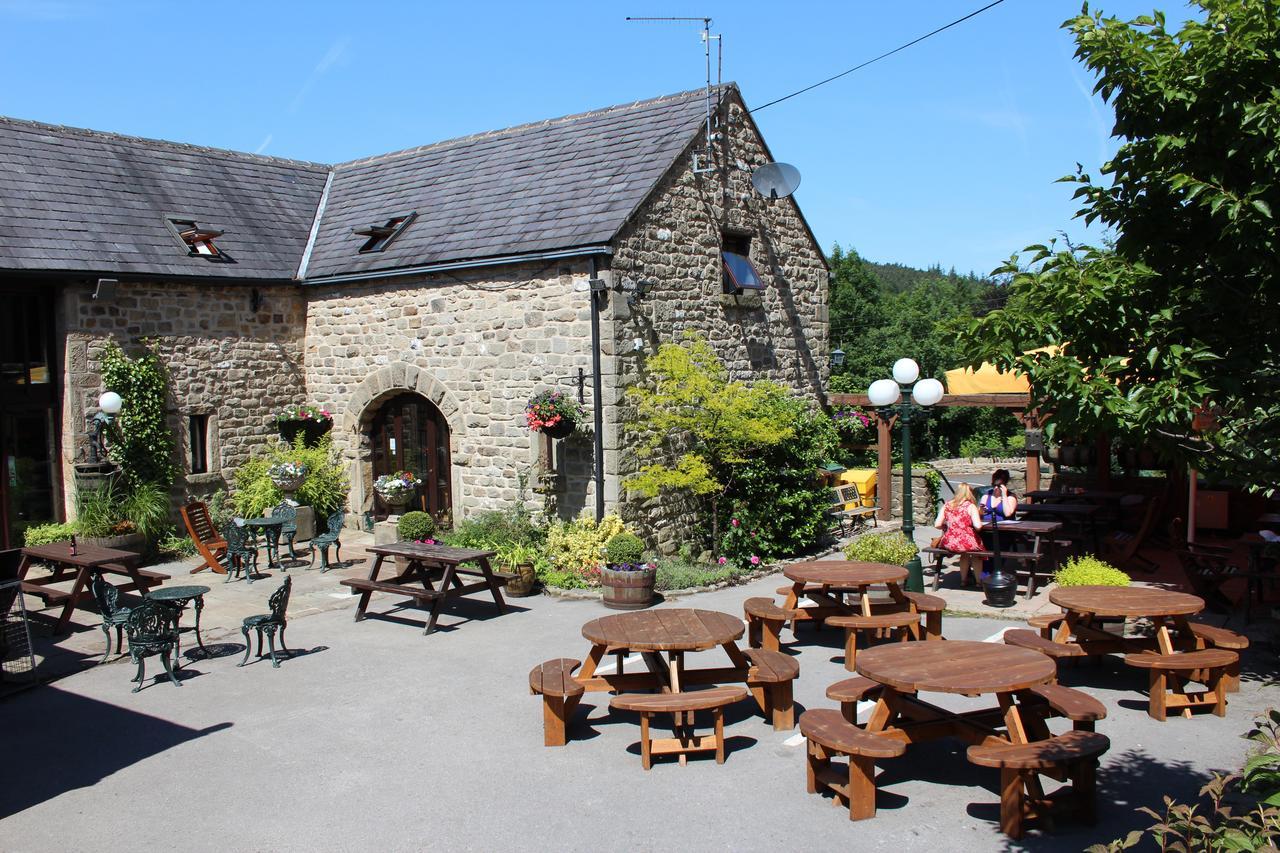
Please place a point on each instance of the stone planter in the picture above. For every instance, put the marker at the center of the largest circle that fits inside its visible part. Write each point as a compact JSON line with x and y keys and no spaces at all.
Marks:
{"x":135,"y":542}
{"x":524,"y":581}
{"x":310,"y":430}
{"x":562,"y":429}
{"x":397,"y":501}
{"x":627,"y":590}
{"x":287,"y":484}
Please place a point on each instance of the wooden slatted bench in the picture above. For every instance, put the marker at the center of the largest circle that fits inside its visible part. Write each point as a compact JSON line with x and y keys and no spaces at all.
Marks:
{"x":851,"y":691}
{"x":1028,"y":639}
{"x":363,"y":585}
{"x":1170,"y":674}
{"x":1073,"y":755}
{"x":1026,"y":559}
{"x":765,"y":621}
{"x":48,"y":594}
{"x":1213,"y":637}
{"x":932,"y":607}
{"x":827,"y":733}
{"x":905,"y":625}
{"x":770,"y":681}
{"x":1046,"y":622}
{"x":1082,"y":709}
{"x":683,"y":706}
{"x":553,"y":681}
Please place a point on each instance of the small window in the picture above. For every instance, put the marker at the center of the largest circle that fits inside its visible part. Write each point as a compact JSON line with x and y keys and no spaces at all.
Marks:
{"x":380,"y":236}
{"x":739,"y":274}
{"x":198,"y":443}
{"x":197,"y":239}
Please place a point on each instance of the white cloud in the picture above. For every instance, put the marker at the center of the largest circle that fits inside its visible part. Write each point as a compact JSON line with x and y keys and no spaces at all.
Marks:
{"x":263,"y":145}
{"x":332,"y":56}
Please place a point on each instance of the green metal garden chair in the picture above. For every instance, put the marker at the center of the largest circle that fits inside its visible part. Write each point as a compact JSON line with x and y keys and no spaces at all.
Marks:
{"x":242,"y":552}
{"x":289,"y":529}
{"x":113,"y":615}
{"x":331,"y":536}
{"x":269,"y":623}
{"x":152,"y":628}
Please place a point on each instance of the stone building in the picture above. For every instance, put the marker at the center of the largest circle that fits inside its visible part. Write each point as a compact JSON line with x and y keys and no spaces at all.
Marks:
{"x":422,"y":296}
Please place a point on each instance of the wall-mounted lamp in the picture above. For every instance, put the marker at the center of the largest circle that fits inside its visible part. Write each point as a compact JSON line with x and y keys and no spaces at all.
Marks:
{"x":109,"y":405}
{"x":837,"y":357}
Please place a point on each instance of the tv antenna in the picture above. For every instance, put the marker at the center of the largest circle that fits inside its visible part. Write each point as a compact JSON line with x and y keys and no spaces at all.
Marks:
{"x":708,"y":162}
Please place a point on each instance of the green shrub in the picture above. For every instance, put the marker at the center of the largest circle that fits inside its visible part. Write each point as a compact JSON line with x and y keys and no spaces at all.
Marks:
{"x":416,"y":526}
{"x":324,"y":489}
{"x":117,"y":509}
{"x":175,"y":545}
{"x":44,"y":534}
{"x":683,"y":574}
{"x":891,"y":548}
{"x":1088,"y":570}
{"x":493,"y":529}
{"x":624,"y":548}
{"x":512,"y":556}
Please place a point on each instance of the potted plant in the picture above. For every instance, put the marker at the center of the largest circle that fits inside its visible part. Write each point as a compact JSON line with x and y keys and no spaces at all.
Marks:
{"x":519,"y":560}
{"x":891,"y":548}
{"x":311,"y":422}
{"x":627,"y":580}
{"x":553,"y":412}
{"x":288,"y":475}
{"x":397,"y":489}
{"x":416,"y":526}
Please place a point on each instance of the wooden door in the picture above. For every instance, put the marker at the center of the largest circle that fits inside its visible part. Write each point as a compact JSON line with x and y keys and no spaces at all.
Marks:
{"x":410,"y":434}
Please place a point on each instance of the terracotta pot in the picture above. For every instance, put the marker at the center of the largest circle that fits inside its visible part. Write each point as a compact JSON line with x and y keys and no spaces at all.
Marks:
{"x":630,"y":590}
{"x":310,"y":430}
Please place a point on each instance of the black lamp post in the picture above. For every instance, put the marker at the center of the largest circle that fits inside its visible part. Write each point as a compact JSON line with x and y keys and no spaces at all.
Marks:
{"x":886,"y":395}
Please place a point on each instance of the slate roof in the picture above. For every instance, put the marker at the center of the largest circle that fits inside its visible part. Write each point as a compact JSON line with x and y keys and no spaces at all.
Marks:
{"x":84,"y":201}
{"x":79,"y":200}
{"x":555,"y":184}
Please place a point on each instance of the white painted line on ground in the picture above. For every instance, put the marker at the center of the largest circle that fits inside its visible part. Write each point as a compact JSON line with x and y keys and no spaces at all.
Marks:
{"x":339,"y":595}
{"x":795,"y":740}
{"x":998,"y":636}
{"x":608,"y":668}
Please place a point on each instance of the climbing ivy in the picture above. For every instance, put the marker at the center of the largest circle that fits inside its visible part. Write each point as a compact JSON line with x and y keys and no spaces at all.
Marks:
{"x":141,"y":442}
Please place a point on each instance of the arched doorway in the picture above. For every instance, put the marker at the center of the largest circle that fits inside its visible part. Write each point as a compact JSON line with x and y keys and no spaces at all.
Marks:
{"x":408,"y":433}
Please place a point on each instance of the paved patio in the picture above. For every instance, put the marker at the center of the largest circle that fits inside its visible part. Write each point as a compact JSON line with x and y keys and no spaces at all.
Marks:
{"x":378,"y":737}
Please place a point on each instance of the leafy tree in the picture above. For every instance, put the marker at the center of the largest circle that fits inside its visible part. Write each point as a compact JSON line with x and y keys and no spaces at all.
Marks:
{"x":141,"y":442}
{"x":1181,"y":312}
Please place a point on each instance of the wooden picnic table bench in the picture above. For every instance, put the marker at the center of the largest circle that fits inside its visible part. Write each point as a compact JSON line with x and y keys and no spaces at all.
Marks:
{"x":79,"y":568}
{"x":433,"y":574}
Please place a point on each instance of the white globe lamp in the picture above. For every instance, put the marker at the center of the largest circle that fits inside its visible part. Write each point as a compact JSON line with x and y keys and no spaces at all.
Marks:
{"x":927,"y":392}
{"x":110,"y":403}
{"x":905,"y":371}
{"x":884,"y":392}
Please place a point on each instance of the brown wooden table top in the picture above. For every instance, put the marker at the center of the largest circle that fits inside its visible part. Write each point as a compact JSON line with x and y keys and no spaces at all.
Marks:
{"x":675,"y":629}
{"x":956,"y":666}
{"x":436,"y":553}
{"x":86,"y":556}
{"x":1129,"y":601}
{"x":845,"y":573}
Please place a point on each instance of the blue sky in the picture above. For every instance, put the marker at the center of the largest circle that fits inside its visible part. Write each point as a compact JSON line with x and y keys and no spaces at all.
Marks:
{"x":945,"y":153}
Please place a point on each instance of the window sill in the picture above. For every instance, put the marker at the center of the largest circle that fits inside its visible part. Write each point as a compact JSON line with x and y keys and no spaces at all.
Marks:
{"x":750,"y":299}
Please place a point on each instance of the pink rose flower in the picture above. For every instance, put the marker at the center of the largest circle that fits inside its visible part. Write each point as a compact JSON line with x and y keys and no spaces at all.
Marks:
{"x":722,"y":561}
{"x":735,"y":522}
{"x":755,"y":561}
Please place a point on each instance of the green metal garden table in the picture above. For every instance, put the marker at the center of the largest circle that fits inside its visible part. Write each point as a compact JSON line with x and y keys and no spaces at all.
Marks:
{"x":178,"y":596}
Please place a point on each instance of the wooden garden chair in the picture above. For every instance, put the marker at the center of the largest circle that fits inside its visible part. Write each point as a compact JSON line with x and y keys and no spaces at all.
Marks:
{"x":209,"y":543}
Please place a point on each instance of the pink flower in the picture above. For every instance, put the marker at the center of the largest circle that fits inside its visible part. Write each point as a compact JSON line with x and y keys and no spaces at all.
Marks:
{"x":735,"y":522}
{"x":722,"y":560}
{"x":755,"y":561}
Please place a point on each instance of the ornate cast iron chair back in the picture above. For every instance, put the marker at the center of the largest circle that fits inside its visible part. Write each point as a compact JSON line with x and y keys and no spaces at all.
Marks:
{"x":269,"y":623}
{"x":153,"y":630}
{"x":241,"y":553}
{"x":289,"y":529}
{"x":279,"y":601}
{"x":108,"y":598}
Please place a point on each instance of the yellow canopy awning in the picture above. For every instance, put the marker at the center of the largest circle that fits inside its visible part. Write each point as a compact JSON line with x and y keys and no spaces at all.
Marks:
{"x":988,"y":380}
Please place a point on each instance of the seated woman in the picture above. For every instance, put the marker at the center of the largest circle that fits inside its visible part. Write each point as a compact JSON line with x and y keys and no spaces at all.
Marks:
{"x":998,"y":505}
{"x":958,"y":519}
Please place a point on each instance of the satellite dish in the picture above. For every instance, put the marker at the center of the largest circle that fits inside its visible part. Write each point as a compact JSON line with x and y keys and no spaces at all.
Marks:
{"x":776,"y":180}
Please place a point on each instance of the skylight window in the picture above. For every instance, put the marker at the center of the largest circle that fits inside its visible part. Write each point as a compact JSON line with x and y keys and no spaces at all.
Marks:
{"x":197,"y":239}
{"x":380,"y":236}
{"x":739,"y":273}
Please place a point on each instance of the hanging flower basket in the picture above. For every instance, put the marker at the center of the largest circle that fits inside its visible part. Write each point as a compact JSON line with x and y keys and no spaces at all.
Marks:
{"x":288,"y":476}
{"x":397,"y":489}
{"x":553,"y":412}
{"x":311,"y":422}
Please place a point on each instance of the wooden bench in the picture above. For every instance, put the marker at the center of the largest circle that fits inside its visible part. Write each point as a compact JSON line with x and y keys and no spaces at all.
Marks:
{"x":827,"y":733}
{"x":1077,"y":706}
{"x":1073,"y":755}
{"x":1046,"y":622}
{"x":770,"y":681}
{"x":1213,"y":637}
{"x":553,"y":681}
{"x":1027,"y":560}
{"x":851,"y":691}
{"x":147,"y":579}
{"x":904,"y":625}
{"x":765,"y":621}
{"x":1170,"y":674}
{"x":1028,"y":639}
{"x":683,"y":706}
{"x":932,"y":607}
{"x":363,"y":585}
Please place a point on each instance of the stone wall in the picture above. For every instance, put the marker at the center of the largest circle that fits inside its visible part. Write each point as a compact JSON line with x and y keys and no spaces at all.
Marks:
{"x":478,"y":345}
{"x":923,"y":508}
{"x":224,"y":360}
{"x":672,"y":250}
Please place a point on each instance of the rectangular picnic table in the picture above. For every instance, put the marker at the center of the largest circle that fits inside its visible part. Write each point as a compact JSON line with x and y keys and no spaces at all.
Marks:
{"x":88,"y":560}
{"x":433,"y":574}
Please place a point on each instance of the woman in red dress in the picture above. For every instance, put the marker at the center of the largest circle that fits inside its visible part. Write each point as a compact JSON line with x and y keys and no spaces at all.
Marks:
{"x":959,"y":519}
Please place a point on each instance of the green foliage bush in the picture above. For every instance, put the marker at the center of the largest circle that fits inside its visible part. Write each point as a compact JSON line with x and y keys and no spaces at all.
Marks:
{"x":496,"y":529}
{"x":674,"y":573}
{"x":118,"y":509}
{"x":1088,"y":570}
{"x":141,"y":442}
{"x":415,"y":526}
{"x":578,"y":547}
{"x":891,"y":548}
{"x":44,"y":534}
{"x":624,"y":548}
{"x":324,"y":489}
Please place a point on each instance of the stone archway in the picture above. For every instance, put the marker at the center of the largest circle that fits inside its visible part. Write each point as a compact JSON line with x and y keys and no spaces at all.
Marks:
{"x":366,"y":399}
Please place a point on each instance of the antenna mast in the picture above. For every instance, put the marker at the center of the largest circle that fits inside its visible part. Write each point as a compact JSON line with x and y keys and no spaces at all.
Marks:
{"x":708,"y":164}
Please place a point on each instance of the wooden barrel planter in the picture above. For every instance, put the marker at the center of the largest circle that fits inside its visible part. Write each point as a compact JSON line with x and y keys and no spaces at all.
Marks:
{"x":311,"y":430}
{"x":627,"y":590}
{"x":524,"y":581}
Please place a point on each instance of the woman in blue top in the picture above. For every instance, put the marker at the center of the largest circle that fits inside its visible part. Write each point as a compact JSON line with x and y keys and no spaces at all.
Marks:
{"x":999,"y":503}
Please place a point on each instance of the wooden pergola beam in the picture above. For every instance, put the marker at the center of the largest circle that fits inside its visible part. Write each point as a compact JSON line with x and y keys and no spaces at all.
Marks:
{"x":999,"y":401}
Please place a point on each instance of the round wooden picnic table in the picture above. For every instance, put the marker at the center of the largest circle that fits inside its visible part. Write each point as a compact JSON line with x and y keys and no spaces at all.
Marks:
{"x":956,"y":666}
{"x":666,"y":630}
{"x":845,"y":573}
{"x":1127,"y":601}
